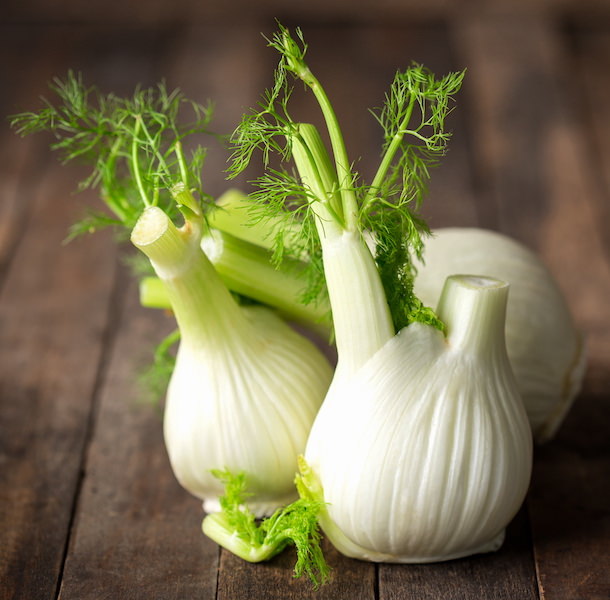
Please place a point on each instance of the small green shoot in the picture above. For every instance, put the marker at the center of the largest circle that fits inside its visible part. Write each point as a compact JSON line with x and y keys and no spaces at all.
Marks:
{"x":236,"y":529}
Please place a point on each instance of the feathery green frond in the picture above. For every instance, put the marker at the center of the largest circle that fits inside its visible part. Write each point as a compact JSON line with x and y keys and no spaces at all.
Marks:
{"x":154,"y":378}
{"x":133,"y":145}
{"x":415,"y":137}
{"x":235,"y":528}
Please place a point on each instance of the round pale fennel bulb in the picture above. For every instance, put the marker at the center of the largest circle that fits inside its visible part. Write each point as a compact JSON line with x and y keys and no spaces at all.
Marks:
{"x":245,"y":388}
{"x":545,"y":348}
{"x":424,"y":453}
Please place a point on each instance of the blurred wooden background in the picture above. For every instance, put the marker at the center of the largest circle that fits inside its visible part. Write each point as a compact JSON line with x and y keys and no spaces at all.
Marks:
{"x":89,"y":508}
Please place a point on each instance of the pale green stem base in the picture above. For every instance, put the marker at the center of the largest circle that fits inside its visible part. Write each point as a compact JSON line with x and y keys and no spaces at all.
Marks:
{"x":474,"y":310}
{"x":361,"y":316}
{"x":203,"y":306}
{"x":216,"y":527}
{"x":246,"y":269}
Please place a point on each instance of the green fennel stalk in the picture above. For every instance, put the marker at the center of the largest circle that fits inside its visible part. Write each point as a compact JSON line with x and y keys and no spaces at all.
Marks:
{"x":243,"y":258}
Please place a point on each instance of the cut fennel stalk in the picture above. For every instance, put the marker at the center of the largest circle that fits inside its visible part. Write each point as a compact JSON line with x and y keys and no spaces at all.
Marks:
{"x":247,"y":269}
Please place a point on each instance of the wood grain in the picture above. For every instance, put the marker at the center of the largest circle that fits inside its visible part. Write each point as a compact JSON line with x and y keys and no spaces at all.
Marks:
{"x":137,"y":532}
{"x":503,"y":575}
{"x":22,"y":160}
{"x":532,"y":146}
{"x":53,"y":317}
{"x":274,"y":580}
{"x":592,"y":63}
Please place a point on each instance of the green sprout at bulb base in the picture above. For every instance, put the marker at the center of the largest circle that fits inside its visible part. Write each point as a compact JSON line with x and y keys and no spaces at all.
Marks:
{"x":236,"y":529}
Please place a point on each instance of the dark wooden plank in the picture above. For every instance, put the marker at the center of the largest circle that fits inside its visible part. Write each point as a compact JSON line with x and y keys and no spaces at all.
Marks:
{"x":592,"y":63}
{"x":52,"y":324}
{"x":21,"y":160}
{"x":14,"y":152}
{"x":274,"y":580}
{"x":569,"y":503}
{"x":53,"y":314}
{"x":137,"y":532}
{"x":532,"y":146}
{"x":16,"y":159}
{"x":582,"y":448}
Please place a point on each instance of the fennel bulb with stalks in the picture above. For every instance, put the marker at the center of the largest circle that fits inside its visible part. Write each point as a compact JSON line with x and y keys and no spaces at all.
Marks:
{"x":421,"y":450}
{"x":245,"y":388}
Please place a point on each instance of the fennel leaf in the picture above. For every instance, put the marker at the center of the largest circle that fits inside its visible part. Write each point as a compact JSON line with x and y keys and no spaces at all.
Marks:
{"x":235,"y":527}
{"x":133,"y":145}
{"x":154,"y":378}
{"x":413,"y":121}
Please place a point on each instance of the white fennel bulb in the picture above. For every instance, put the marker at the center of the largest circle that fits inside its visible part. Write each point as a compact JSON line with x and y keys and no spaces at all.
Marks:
{"x":545,"y":348}
{"x":245,"y":388}
{"x":432,"y":457}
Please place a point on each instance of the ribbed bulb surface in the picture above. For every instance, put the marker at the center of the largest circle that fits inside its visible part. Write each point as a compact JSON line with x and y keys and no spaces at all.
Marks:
{"x":245,"y":388}
{"x":433,"y":455}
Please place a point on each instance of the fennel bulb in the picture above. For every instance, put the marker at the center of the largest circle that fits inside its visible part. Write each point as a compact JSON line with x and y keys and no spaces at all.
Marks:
{"x":433,"y":456}
{"x":421,"y":450}
{"x":545,"y":349}
{"x":245,"y":388}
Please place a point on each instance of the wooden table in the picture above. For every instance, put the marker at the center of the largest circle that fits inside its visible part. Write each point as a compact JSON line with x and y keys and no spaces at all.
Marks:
{"x":89,"y":508}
